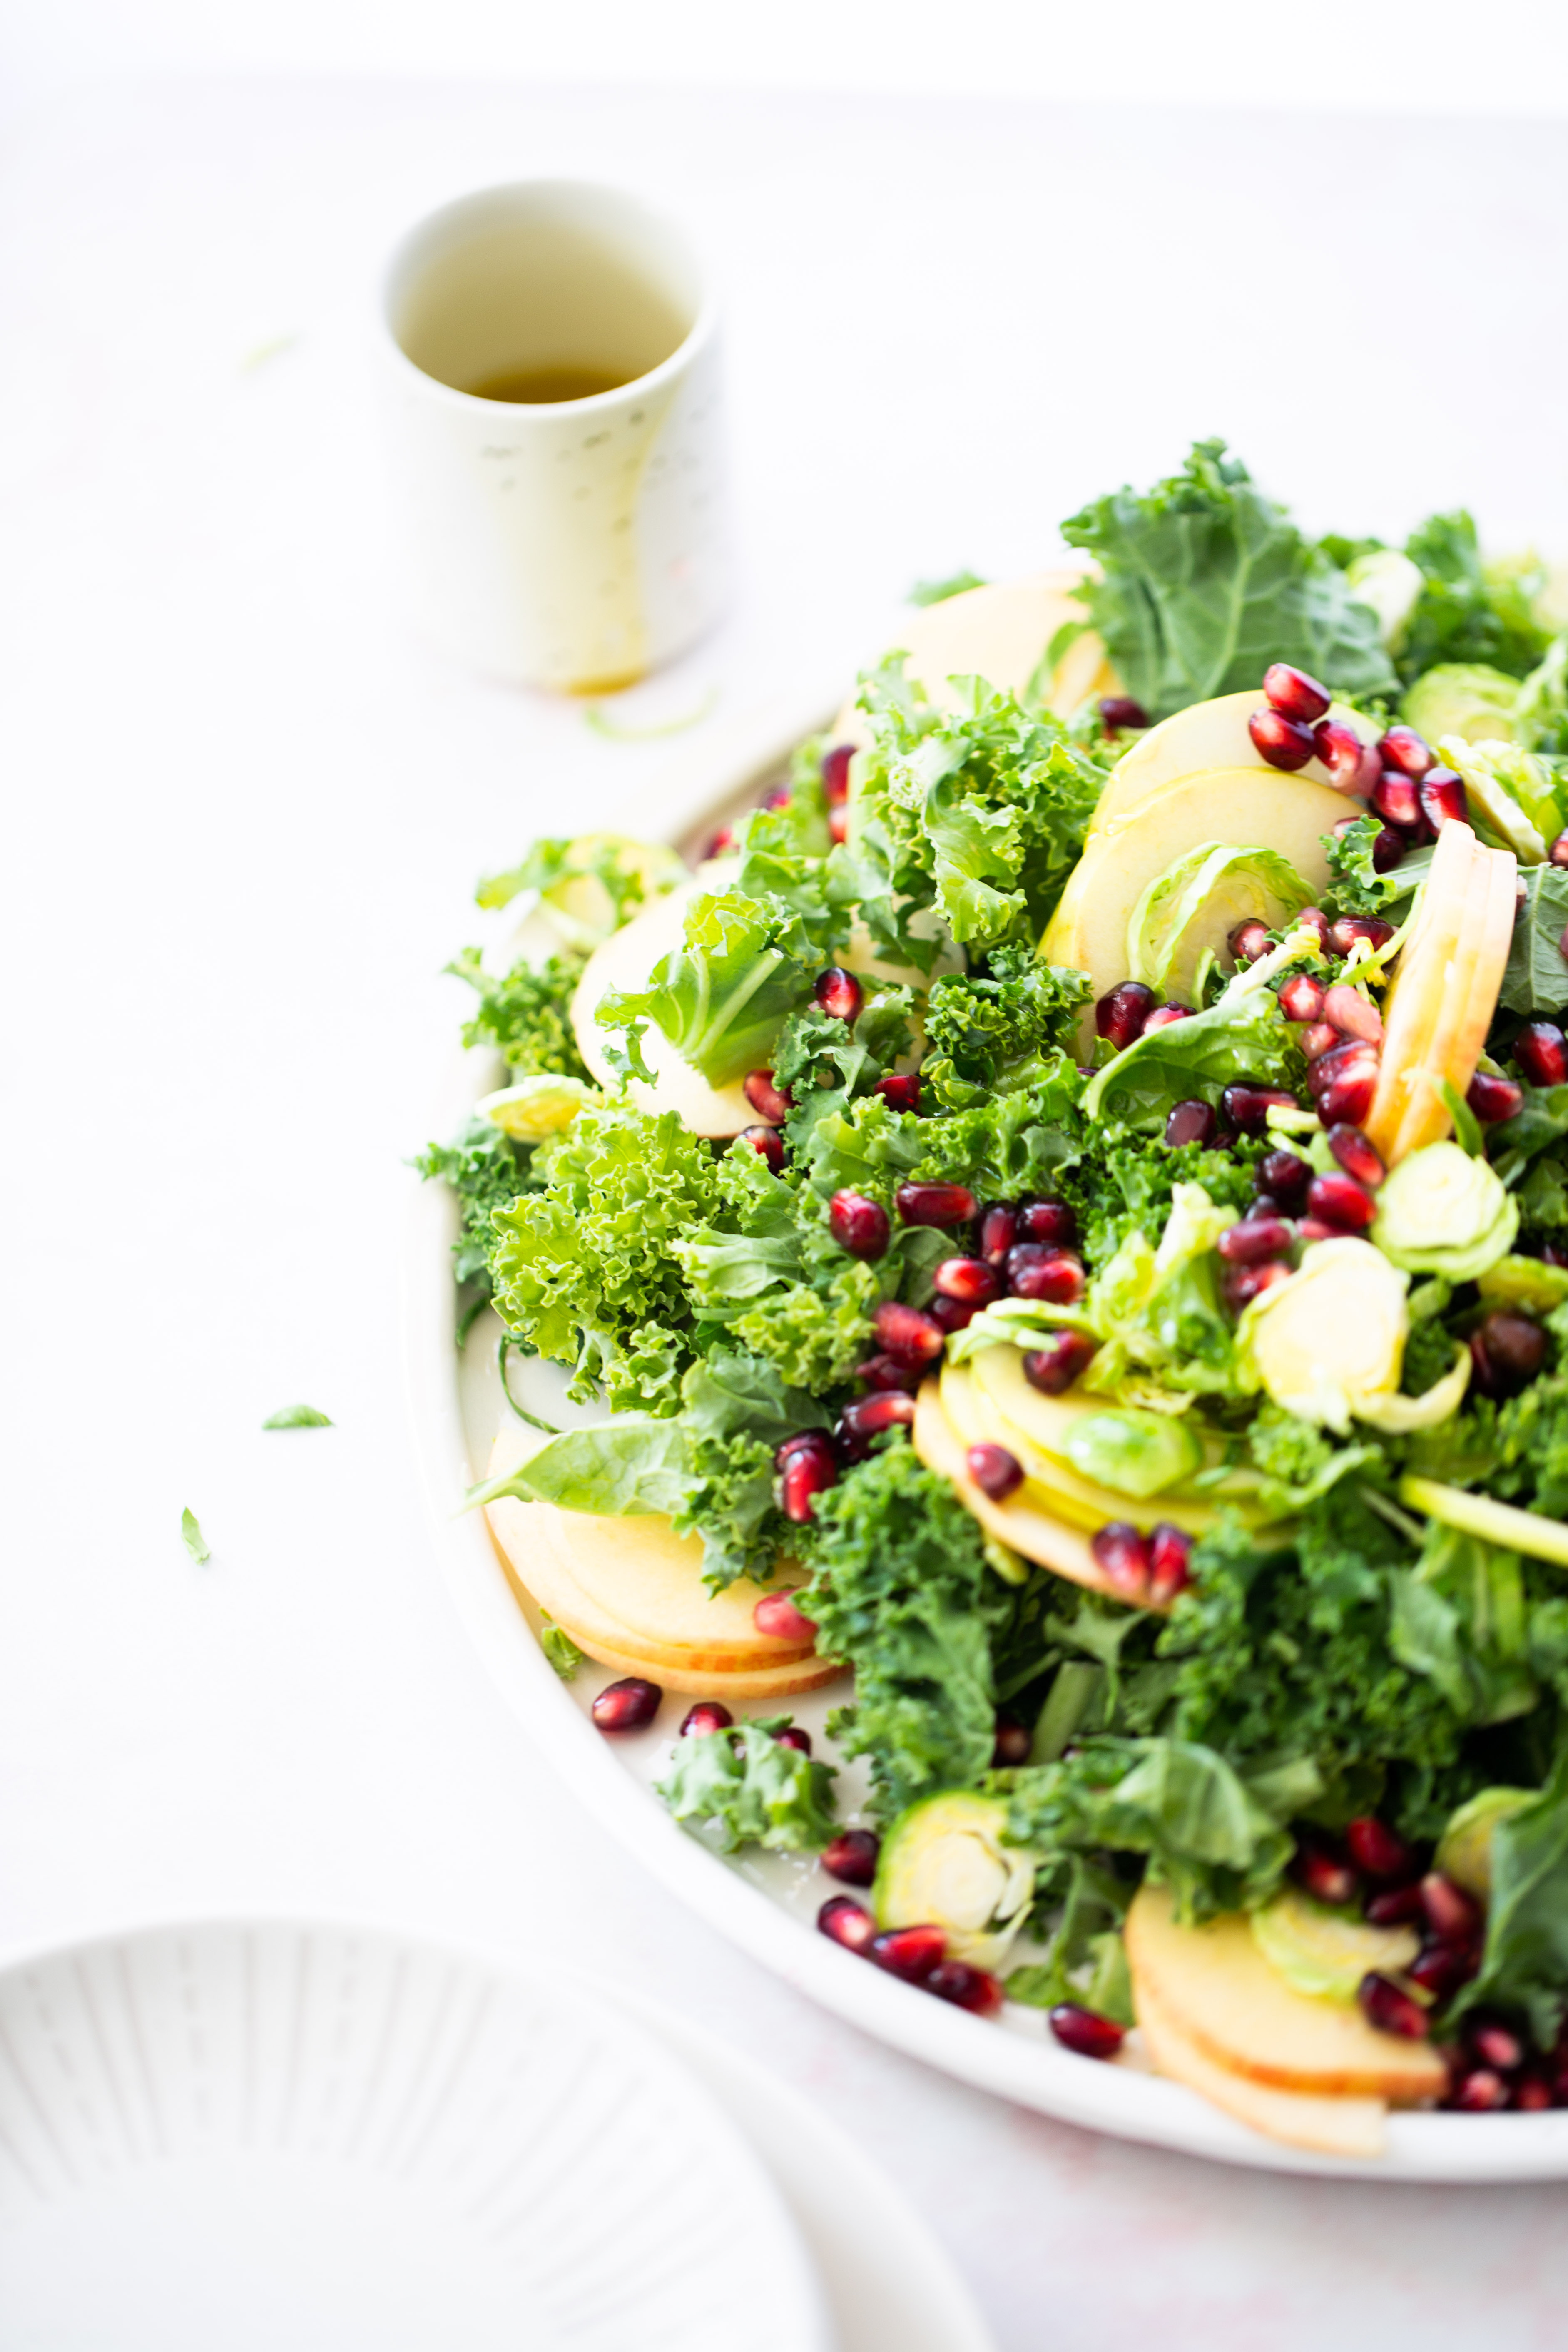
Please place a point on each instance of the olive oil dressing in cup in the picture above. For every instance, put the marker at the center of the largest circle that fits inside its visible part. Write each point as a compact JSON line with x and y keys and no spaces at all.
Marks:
{"x":552,"y":378}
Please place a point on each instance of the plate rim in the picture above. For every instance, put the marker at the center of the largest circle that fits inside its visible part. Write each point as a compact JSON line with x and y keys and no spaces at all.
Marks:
{"x":1460,"y":2150}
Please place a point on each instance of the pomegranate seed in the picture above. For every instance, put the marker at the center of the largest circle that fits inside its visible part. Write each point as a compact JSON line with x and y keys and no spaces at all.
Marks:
{"x":1312,"y":918}
{"x":968,"y":1279}
{"x":838,"y":993}
{"x":1358,"y":1156}
{"x":1344,"y":933}
{"x":1355,"y":1015}
{"x":1190,"y":1122}
{"x":779,"y":1616}
{"x":1264,"y":1204}
{"x":1506,"y":1352}
{"x":1338,"y":1201}
{"x":1243,"y":1284}
{"x":836,"y":772}
{"x":1349,"y":1098}
{"x":887,"y":1373}
{"x":778,"y":797}
{"x":906,"y":1333}
{"x":852,"y":1857}
{"x":720,"y":843}
{"x":1395,"y":799}
{"x":1164,"y":1015}
{"x":998,"y":1232}
{"x":936,"y":1205}
{"x":1327,"y":1876}
{"x":708,"y":1714}
{"x":766,"y":1142}
{"x":1354,"y":766}
{"x":1541,"y":1052}
{"x":1552,"y":1254}
{"x":767,"y":1100}
{"x":1402,"y":748}
{"x":1440,"y":1968}
{"x":1296,"y":693}
{"x":794,"y":1735}
{"x":1285,"y":1177}
{"x":1397,"y":1906}
{"x":1170,"y":1562}
{"x":1249,"y":940}
{"x":847,"y":1922}
{"x":629,"y":1705}
{"x":1119,"y":710}
{"x":1247,"y":1107}
{"x":1122,"y":1553}
{"x":1084,"y":2031}
{"x":858,"y":1225}
{"x":1119,"y":1015}
{"x":1321,"y":1038}
{"x":1390,"y":2011}
{"x":910,"y":1953}
{"x":1254,"y":1239}
{"x":1387,"y":850}
{"x":1494,"y":2045}
{"x":1312,"y":1229}
{"x":809,"y":1472}
{"x":994,"y":1471}
{"x":1442,"y":799}
{"x":1532,"y":2093}
{"x":1055,"y":1275}
{"x":952,"y":1314}
{"x":804,"y":1441}
{"x":1558,"y":853}
{"x":1376,"y":1849}
{"x":1350,"y":1054}
{"x":1013,"y":1741}
{"x":1048,"y":1220}
{"x":867,"y":1418}
{"x":1052,"y":1368}
{"x":1493,"y":1098}
{"x":899,"y":1091}
{"x":1283,"y":742}
{"x":838,"y":821}
{"x":967,"y":1987}
{"x":1451,"y":1914}
{"x":1302,"y":998}
{"x":1479,"y":2093}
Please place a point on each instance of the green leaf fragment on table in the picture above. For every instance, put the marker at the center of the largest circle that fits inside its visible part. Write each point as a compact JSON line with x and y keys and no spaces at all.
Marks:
{"x":195,"y":1541}
{"x":560,"y":1649}
{"x":297,"y":1416}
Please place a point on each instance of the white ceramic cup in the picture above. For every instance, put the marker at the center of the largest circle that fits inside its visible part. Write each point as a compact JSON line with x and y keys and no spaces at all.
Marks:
{"x":576,"y":543}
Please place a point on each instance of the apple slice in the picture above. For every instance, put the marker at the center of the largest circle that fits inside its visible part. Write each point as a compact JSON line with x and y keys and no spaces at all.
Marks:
{"x":783,"y":1681}
{"x":1328,"y":2126}
{"x":1250,"y":807}
{"x":625,"y":960}
{"x":1034,"y":1533}
{"x":1488,"y":932}
{"x":1205,"y":735}
{"x":1215,"y":1986}
{"x":989,"y":1401}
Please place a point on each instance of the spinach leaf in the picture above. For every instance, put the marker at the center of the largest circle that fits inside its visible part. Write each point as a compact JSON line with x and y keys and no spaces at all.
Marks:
{"x":1525,"y":1962}
{"x":1243,"y":1036}
{"x":297,"y":1416}
{"x":1536,"y":977}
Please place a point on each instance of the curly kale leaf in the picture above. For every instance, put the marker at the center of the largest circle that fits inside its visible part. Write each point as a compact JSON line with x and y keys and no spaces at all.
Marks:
{"x":1356,"y":886}
{"x":902,"y":1593}
{"x":1469,"y":610}
{"x":526,"y":1015}
{"x":1204,"y":581}
{"x":750,"y":1789}
{"x":486,"y":1171}
{"x":1010,"y":1029}
{"x":824,"y":1066}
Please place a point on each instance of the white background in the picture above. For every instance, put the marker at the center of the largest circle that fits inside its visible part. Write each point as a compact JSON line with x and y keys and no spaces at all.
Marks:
{"x":245,"y":809}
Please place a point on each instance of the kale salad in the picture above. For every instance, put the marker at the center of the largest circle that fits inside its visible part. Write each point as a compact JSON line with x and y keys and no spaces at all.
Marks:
{"x":1066,"y":1213}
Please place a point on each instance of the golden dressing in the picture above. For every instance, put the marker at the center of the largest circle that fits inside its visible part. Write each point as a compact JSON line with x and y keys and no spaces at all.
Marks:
{"x":540,"y":386}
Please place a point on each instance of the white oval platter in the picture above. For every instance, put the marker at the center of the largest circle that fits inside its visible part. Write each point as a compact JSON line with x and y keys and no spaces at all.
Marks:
{"x":765,"y":1904}
{"x":256,"y":2133}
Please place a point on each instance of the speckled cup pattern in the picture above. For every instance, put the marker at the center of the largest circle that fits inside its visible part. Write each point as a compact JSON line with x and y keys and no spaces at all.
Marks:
{"x":573,"y":546}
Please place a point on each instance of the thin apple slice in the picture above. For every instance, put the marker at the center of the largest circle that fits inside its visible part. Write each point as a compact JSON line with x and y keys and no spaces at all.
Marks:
{"x":1414,"y":1004}
{"x":1205,"y":735}
{"x":999,"y":633}
{"x":1328,"y":2126}
{"x":990,"y":1402}
{"x":1494,"y":880}
{"x":784,"y":1681}
{"x":625,"y":960}
{"x":1034,"y":1533}
{"x":1216,"y":1988}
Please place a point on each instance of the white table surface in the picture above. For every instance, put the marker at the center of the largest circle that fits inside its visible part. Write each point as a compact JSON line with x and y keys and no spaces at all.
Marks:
{"x":244,"y":813}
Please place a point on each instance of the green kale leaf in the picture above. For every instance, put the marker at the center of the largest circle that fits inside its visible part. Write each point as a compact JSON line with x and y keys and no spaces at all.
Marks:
{"x":1008,"y":1029}
{"x":751,"y":1789}
{"x":1357,"y":887}
{"x":1469,"y":610}
{"x":526,"y":1016}
{"x":1204,"y":581}
{"x":486,"y":1171}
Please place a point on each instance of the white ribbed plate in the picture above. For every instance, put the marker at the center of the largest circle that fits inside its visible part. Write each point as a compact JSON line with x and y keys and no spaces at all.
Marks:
{"x":225,"y":2137}
{"x":767,"y":1903}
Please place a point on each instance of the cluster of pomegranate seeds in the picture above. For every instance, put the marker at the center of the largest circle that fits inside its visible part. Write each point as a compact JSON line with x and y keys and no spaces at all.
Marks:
{"x":708,"y":1714}
{"x":1085,"y":2031}
{"x":628,"y":1706}
{"x":1541,"y":1052}
{"x":852,"y":1857}
{"x":780,"y":1617}
{"x":1013,"y":1741}
{"x":918,"y":1955}
{"x":1397,"y":775}
{"x":1120,"y":710}
{"x":1151,"y":1568}
{"x":1119,"y":1015}
{"x":769,"y":1101}
{"x":994,"y":1471}
{"x":1390,"y":2009}
{"x":1507,"y":1350}
{"x":767,"y":1143}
